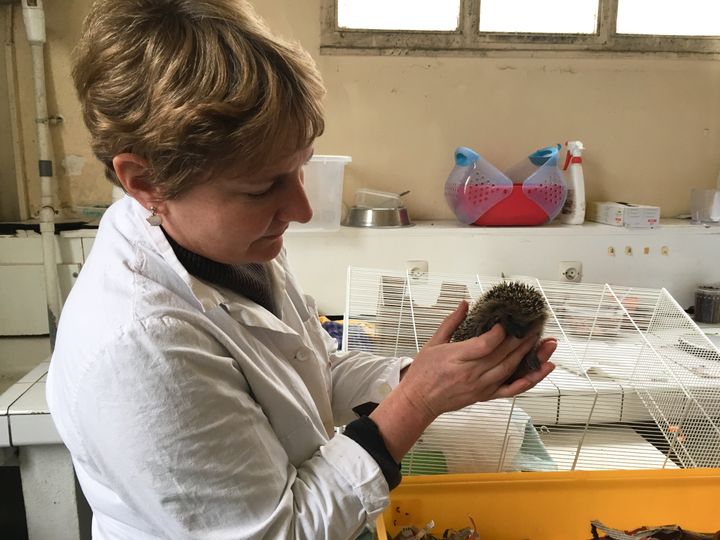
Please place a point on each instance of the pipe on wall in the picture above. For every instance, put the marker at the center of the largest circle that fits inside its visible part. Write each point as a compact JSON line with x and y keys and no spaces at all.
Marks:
{"x":34,"y":18}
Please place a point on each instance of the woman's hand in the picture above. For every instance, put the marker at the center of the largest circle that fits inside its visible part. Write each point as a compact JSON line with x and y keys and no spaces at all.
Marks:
{"x":449,"y":376}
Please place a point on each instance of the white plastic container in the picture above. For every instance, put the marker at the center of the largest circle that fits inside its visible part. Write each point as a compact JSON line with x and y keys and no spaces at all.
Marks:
{"x":573,"y":211}
{"x":324,"y":187}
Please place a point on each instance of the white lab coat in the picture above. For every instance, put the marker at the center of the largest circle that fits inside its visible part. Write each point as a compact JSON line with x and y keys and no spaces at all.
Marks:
{"x":192,"y":412}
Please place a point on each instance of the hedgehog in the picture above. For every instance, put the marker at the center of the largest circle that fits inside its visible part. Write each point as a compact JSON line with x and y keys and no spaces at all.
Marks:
{"x":518,"y":307}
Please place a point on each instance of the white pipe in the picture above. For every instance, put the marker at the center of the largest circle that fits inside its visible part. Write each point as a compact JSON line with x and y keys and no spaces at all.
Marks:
{"x":44,"y":142}
{"x":34,"y":18}
{"x":15,"y":126}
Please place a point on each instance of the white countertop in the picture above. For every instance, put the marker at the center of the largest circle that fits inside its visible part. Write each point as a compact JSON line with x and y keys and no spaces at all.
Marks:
{"x":24,"y":415}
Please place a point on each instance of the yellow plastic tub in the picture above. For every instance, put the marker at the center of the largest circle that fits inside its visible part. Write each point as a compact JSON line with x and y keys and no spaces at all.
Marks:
{"x":556,"y":505}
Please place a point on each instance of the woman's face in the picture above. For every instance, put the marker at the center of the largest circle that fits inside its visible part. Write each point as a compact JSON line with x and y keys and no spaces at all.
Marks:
{"x":238,"y":219}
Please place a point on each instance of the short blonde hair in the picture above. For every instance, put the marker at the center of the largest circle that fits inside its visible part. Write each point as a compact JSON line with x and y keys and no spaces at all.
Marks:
{"x":193,"y":86}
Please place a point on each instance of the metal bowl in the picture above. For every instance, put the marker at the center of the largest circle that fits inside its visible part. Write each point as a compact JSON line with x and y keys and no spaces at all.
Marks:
{"x":377,"y":217}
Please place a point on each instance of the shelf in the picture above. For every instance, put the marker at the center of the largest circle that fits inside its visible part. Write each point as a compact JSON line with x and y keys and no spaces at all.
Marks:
{"x":421,"y":228}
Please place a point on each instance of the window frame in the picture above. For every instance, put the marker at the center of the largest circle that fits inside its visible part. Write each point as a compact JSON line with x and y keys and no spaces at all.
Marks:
{"x":468,"y":40}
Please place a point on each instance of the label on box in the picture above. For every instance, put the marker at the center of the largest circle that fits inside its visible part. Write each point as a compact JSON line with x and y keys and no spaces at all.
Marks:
{"x":621,"y":214}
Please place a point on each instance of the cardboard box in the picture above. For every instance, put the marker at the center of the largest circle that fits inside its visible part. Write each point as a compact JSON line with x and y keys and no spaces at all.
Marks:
{"x":621,"y":214}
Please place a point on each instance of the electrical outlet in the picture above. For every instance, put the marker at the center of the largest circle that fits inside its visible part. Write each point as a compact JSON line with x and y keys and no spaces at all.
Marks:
{"x":416,"y":269}
{"x":571,"y":271}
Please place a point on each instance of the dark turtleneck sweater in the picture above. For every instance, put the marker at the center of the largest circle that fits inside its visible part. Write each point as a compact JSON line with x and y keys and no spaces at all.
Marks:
{"x":250,"y":280}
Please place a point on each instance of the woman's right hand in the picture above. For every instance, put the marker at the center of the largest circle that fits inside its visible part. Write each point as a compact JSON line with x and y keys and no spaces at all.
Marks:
{"x":448,"y":376}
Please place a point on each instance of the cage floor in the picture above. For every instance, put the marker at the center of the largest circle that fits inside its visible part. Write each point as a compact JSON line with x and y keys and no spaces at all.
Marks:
{"x":603,"y":448}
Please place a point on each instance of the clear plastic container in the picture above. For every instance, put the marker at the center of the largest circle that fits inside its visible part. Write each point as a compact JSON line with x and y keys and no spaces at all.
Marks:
{"x":324,"y":187}
{"x":705,"y":205}
{"x":368,"y":198}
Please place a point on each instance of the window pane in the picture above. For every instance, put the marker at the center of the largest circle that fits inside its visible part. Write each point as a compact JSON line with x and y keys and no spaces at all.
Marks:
{"x":539,"y":16}
{"x":669,"y":17}
{"x":399,"y":14}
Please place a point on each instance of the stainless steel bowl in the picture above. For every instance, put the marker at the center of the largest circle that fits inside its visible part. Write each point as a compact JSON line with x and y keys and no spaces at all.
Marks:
{"x":377,"y":217}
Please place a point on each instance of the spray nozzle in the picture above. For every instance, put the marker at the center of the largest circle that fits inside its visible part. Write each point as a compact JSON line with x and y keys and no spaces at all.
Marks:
{"x":574,"y":153}
{"x":575,"y":147}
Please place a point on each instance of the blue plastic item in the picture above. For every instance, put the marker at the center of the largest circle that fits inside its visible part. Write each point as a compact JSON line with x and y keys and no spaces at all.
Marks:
{"x":540,"y":157}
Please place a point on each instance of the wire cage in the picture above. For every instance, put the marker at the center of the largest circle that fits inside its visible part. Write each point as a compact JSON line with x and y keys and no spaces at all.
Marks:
{"x":637,"y":383}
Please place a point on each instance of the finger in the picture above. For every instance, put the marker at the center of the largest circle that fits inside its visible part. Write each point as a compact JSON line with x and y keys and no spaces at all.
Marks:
{"x":546,"y":348}
{"x":483,"y":345}
{"x":449,"y":325}
{"x":526,"y":382}
{"x":504,"y":366}
{"x":529,"y":380}
{"x":510,"y":345}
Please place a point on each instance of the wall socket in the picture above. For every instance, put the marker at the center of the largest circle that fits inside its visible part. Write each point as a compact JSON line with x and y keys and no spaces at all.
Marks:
{"x":416,"y":269}
{"x":571,"y":271}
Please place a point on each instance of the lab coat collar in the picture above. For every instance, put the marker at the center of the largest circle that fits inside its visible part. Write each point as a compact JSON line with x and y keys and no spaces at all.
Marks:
{"x":210,"y":297}
{"x":249,"y":313}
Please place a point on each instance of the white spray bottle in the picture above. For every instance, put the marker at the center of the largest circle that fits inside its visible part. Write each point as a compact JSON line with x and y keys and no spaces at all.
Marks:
{"x":573,"y":211}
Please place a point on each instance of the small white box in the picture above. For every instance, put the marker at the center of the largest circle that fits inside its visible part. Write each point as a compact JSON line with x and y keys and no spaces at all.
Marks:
{"x":324,"y":189}
{"x":621,"y":214}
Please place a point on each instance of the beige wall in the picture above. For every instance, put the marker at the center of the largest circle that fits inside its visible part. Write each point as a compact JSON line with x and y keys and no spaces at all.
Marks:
{"x":651,"y":126}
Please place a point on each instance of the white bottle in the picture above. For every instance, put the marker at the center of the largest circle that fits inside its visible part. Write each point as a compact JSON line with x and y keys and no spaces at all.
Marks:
{"x":573,"y":211}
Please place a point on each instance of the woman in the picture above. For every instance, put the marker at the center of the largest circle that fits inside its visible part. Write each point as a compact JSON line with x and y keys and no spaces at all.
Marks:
{"x":191,"y":379}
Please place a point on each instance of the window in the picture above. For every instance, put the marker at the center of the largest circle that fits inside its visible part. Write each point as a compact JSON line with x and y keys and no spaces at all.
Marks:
{"x":669,"y":17}
{"x":499,"y":26}
{"x":578,"y":16}
{"x":399,"y":14}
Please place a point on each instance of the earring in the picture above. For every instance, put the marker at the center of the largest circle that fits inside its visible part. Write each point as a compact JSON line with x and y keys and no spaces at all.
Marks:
{"x":154,"y":219}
